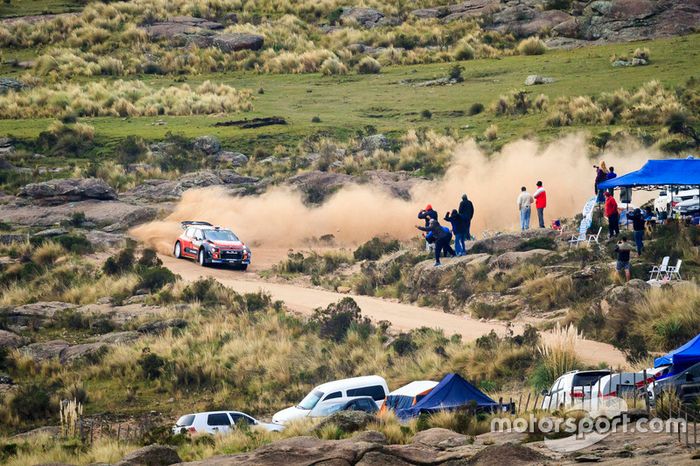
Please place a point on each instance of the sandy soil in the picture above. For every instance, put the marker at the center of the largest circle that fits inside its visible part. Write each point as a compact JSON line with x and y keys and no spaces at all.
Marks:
{"x":402,"y":316}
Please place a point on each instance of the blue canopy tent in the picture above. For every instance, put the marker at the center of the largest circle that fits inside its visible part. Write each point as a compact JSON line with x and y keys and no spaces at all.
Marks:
{"x":682,"y":357}
{"x":658,"y":174}
{"x":453,"y":392}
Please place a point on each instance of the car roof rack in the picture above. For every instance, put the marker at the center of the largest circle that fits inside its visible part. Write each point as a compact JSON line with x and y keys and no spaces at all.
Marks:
{"x":189,"y":223}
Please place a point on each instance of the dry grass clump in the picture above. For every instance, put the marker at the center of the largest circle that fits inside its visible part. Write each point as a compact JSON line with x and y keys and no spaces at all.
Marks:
{"x":518,"y":102}
{"x":491,"y":133}
{"x":559,"y":351}
{"x":333,"y":66}
{"x":124,"y":98}
{"x":532,"y":46}
{"x":369,"y":65}
{"x":651,"y":104}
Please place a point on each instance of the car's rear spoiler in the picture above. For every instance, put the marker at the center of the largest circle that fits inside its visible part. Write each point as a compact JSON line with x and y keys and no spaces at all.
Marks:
{"x":189,"y":223}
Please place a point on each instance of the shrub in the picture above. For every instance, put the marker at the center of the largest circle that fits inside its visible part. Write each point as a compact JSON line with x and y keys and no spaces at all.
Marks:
{"x":464,"y":52}
{"x":426,"y":114}
{"x":532,"y":46}
{"x":155,"y":278}
{"x":316,"y":119}
{"x":369,"y":65}
{"x":151,"y":365}
{"x":31,"y":402}
{"x":77,"y":244}
{"x":130,"y":150}
{"x":456,"y":73}
{"x":333,"y":66}
{"x":537,"y":243}
{"x":337,"y":319}
{"x":491,"y":133}
{"x":476,"y":108}
{"x":642,"y":54}
{"x":119,"y":263}
{"x":376,"y":248}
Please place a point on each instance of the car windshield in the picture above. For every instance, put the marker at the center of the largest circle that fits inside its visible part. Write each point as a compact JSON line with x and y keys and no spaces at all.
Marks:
{"x":220,"y":235}
{"x":185,"y":421}
{"x":310,"y":400}
{"x":584,"y":379}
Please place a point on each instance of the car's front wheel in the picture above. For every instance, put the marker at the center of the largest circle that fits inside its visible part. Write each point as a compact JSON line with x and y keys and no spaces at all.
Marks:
{"x":177,"y":250}
{"x":202,"y":258}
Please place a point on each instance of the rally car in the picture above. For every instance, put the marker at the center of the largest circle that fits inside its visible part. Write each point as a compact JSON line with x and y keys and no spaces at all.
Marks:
{"x":211,"y":245}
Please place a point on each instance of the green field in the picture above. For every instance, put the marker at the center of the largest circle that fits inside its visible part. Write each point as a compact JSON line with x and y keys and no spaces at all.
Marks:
{"x":38,"y":7}
{"x":349,"y":103}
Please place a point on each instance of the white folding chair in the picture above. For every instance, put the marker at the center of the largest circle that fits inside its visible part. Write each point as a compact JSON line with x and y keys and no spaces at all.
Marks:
{"x":659,"y":269}
{"x":577,"y":239}
{"x":675,"y":271}
{"x":594,"y":238}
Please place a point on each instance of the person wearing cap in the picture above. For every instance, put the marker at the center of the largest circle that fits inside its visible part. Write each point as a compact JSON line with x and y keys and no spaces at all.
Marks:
{"x":466,"y":210}
{"x":540,"y":196}
{"x":427,"y":215}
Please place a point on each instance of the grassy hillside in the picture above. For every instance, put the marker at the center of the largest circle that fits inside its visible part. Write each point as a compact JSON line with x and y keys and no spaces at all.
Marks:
{"x":346,"y":104}
{"x":12,"y":8}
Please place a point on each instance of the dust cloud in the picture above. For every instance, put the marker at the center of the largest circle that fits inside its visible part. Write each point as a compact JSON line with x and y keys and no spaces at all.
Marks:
{"x":279,"y":218}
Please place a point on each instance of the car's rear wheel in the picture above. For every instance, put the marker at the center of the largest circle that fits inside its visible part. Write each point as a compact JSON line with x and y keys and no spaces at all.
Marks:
{"x":177,"y":250}
{"x":202,"y":258}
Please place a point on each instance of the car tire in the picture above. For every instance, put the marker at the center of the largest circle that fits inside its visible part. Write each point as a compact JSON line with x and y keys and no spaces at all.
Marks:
{"x":177,"y":250}
{"x":202,"y":258}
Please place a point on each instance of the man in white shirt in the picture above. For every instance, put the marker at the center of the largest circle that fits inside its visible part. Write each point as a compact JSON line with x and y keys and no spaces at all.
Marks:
{"x":524,"y":202}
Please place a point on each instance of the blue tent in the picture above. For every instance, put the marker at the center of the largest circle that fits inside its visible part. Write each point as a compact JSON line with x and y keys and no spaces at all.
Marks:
{"x":659,"y":173}
{"x":453,"y":392}
{"x":682,"y":357}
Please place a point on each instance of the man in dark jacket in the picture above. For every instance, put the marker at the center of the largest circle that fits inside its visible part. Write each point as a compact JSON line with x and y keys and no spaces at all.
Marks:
{"x":639,"y":225}
{"x":442,"y":238}
{"x":459,"y":228}
{"x":427,"y":215}
{"x":466,"y":210}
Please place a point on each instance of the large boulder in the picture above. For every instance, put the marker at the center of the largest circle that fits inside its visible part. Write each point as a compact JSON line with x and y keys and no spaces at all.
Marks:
{"x":348,"y":421}
{"x":440,"y":438}
{"x":235,"y":159}
{"x":464,"y":10}
{"x":180,"y":27}
{"x":623,"y":298}
{"x":234,"y":42}
{"x":367,"y":17}
{"x":10,"y":340}
{"x":45,"y":351}
{"x":209,"y":145}
{"x":65,"y":190}
{"x":171,"y":190}
{"x":508,"y":454}
{"x":317,"y":185}
{"x":34,"y":314}
{"x":512,"y":258}
{"x":161,"y":326}
{"x":152,"y":455}
{"x":502,"y":242}
{"x":374,"y":142}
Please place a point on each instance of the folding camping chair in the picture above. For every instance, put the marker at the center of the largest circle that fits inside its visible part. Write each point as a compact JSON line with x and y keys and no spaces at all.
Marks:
{"x":594,"y":238}
{"x":577,"y":239}
{"x":674,"y":272}
{"x":659,"y":269}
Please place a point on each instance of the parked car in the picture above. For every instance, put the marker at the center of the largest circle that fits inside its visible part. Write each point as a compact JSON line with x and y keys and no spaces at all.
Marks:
{"x":208,"y":244}
{"x":574,"y":385}
{"x":686,"y":384}
{"x":669,"y":200}
{"x":688,"y":207}
{"x":373,"y":386}
{"x":408,"y":395}
{"x":218,"y":422}
{"x":359,"y":403}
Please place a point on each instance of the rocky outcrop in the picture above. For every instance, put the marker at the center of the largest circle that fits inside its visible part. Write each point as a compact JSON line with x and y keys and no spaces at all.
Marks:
{"x":431,"y":447}
{"x":180,"y":27}
{"x":10,"y":340}
{"x":234,"y":42}
{"x":374,"y":142}
{"x":35,"y":313}
{"x":367,"y":17}
{"x":503,"y":242}
{"x":464,"y":10}
{"x":10,"y":84}
{"x":512,"y":258}
{"x":65,"y":190}
{"x":161,"y":326}
{"x":526,"y":19}
{"x":208,"y":145}
{"x":317,"y":185}
{"x":171,"y":190}
{"x":534,"y":79}
{"x":62,"y":351}
{"x":152,"y":455}
{"x":348,"y":421}
{"x":624,"y":298}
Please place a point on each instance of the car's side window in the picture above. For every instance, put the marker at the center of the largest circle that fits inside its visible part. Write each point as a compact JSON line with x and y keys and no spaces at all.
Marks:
{"x":198,"y":235}
{"x":218,"y":419}
{"x":189,"y":232}
{"x":333,"y":395}
{"x":240,"y":419}
{"x":375,"y":391}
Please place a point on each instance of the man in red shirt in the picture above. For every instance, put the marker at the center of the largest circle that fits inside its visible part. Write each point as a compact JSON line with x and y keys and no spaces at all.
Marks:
{"x":540,"y":196}
{"x":613,"y":215}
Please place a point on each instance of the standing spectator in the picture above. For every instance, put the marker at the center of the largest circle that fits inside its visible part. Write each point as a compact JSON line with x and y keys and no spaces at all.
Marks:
{"x":613,"y":215}
{"x":466,"y":210}
{"x":623,"y":250}
{"x":611,"y":174}
{"x":442,"y":238}
{"x":540,"y":196}
{"x":427,"y":215}
{"x":601,"y":174}
{"x":638,"y":225}
{"x":524,"y":202}
{"x":459,"y":229}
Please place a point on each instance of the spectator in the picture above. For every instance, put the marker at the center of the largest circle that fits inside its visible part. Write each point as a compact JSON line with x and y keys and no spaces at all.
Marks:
{"x":638,"y":225}
{"x":466,"y":210}
{"x":524,"y":206}
{"x":540,"y":196}
{"x":459,"y":229}
{"x":611,"y":174}
{"x":427,"y":215}
{"x":623,"y":249}
{"x":601,"y":175}
{"x":612,"y":214}
{"x":442,"y":238}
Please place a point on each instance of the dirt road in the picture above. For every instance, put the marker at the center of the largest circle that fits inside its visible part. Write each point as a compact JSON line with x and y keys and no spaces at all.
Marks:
{"x":402,"y":316}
